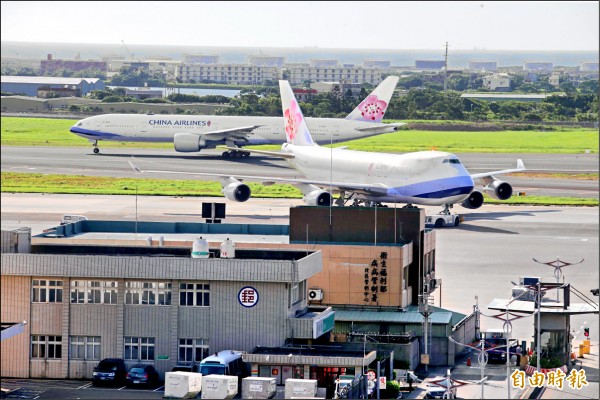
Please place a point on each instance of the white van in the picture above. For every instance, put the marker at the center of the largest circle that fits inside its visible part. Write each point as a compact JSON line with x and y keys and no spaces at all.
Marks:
{"x":226,"y":362}
{"x":69,"y":219}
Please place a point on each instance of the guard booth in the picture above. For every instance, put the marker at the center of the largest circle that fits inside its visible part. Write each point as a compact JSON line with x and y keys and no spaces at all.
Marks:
{"x":552,"y":328}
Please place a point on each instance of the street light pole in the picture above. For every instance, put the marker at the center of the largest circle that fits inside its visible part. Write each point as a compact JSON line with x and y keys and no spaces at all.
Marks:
{"x":538,"y":346}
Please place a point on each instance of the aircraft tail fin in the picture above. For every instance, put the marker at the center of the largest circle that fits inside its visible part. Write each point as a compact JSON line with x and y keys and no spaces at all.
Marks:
{"x":296,"y":130}
{"x":373,"y":108}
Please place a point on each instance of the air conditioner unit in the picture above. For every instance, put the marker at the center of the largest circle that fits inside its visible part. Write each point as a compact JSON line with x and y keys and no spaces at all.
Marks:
{"x":315,"y":294}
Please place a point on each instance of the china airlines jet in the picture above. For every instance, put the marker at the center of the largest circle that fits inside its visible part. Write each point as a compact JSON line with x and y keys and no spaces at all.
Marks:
{"x":192,"y":133}
{"x":366,"y":178}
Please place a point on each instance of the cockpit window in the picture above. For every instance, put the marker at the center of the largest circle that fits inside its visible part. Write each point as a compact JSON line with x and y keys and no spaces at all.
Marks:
{"x":451,"y":161}
{"x":80,"y":123}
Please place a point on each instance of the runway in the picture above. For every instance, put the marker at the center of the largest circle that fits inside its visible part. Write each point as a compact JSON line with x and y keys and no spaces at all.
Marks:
{"x":114,"y":162}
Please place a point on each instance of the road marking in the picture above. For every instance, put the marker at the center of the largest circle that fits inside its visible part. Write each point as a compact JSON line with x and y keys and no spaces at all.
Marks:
{"x":157,"y":389}
{"x":87,"y":385}
{"x":122,"y":388}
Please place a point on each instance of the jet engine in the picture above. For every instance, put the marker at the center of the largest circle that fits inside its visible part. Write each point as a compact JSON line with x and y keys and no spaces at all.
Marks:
{"x":499,"y":190}
{"x":237,"y":191}
{"x":475,"y":200}
{"x":188,"y":142}
{"x":318,"y":198}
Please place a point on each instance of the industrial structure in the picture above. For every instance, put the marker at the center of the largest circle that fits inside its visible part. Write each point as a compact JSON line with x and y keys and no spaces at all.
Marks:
{"x":40,"y":86}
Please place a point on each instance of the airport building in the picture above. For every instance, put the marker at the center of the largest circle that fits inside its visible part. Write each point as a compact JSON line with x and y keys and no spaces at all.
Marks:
{"x":87,"y":299}
{"x":155,"y":305}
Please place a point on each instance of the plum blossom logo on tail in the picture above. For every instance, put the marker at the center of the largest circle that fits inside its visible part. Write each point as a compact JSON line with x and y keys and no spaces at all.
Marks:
{"x":293,"y":118}
{"x":372,"y":109}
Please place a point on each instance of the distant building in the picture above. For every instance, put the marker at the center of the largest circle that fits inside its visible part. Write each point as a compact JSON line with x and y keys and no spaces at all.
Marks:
{"x":50,"y":65}
{"x":359,"y":75}
{"x":40,"y":86}
{"x":484,"y":66}
{"x":266,"y":61}
{"x":554,"y":79}
{"x":384,"y":64}
{"x":340,"y":88}
{"x":304,"y":94}
{"x":430,"y":64}
{"x":143,"y":93}
{"x":538,"y":67}
{"x":588,"y":67}
{"x":237,"y":74}
{"x":200,"y":59}
{"x":323,"y":62}
{"x":497,"y":82}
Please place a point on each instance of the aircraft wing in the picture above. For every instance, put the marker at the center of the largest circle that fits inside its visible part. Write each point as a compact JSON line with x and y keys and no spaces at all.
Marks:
{"x":379,"y":127}
{"x":356,"y":187}
{"x":489,"y":175}
{"x":239,"y":132}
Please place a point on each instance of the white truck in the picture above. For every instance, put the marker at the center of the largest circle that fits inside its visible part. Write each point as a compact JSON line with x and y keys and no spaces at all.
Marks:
{"x":442,"y":220}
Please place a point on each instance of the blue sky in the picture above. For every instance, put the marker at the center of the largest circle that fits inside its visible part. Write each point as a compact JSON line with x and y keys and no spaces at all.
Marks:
{"x":490,"y":25}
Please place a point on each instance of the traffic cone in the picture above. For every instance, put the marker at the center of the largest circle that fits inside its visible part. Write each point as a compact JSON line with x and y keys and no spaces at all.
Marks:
{"x":469,"y":362}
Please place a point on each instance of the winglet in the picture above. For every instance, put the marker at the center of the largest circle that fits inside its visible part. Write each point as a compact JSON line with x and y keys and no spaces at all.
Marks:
{"x":135,"y":169}
{"x":520,"y":164}
{"x":373,"y":108}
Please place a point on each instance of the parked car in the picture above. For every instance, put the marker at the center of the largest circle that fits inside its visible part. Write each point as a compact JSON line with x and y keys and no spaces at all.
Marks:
{"x":110,"y":371}
{"x":142,"y":375}
{"x":190,"y":367}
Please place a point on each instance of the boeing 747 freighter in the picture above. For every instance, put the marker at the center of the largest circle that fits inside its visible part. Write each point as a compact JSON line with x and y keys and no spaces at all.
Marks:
{"x":433,"y":178}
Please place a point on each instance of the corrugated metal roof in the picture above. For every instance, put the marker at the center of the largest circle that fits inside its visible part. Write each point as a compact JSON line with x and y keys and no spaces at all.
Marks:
{"x":49,"y":80}
{"x":398,"y":317}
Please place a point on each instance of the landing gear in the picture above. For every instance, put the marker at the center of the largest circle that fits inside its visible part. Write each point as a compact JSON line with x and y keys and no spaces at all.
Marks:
{"x":235,"y":154}
{"x":96,"y":149}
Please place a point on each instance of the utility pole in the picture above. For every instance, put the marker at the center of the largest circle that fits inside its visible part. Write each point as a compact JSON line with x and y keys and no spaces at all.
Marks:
{"x":446,"y":69}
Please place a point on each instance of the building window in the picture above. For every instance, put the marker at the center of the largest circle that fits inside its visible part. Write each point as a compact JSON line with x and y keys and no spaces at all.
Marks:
{"x":47,"y":347}
{"x":148,"y":293}
{"x":94,"y":292}
{"x":194,"y":294}
{"x":139,"y":348}
{"x":192,"y":350}
{"x":297,"y":292}
{"x":85,"y":348}
{"x":47,"y":291}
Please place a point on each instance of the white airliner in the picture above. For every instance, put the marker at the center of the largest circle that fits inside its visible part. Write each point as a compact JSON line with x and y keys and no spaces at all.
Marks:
{"x":366,"y":178}
{"x":192,"y":133}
